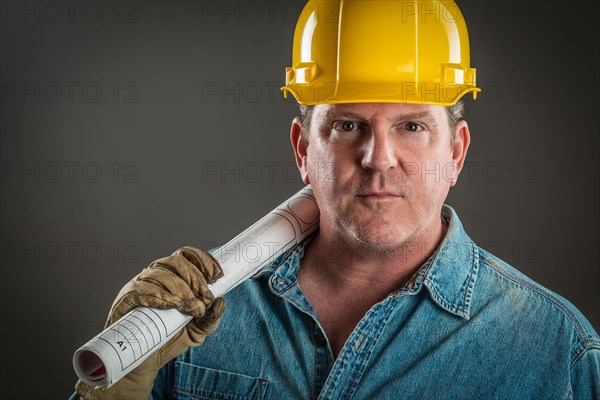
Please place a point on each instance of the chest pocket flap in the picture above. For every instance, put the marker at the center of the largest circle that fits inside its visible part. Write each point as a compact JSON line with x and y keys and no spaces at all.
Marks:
{"x":195,"y":382}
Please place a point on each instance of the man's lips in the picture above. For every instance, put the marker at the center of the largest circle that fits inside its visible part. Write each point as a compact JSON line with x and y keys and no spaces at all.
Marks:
{"x":379,"y":195}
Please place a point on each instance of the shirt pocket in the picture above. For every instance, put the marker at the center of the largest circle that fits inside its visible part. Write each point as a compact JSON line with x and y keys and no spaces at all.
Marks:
{"x":194,"y":382}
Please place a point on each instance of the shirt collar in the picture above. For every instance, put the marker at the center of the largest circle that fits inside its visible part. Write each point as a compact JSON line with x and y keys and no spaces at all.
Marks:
{"x":452,"y":271}
{"x":284,"y":269}
{"x":449,"y":274}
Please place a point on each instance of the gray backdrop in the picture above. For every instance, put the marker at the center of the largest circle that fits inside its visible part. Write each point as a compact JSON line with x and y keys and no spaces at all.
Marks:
{"x":132,"y":128}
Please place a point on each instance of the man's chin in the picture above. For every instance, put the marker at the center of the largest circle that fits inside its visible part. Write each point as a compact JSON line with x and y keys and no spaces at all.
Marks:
{"x":379,"y":242}
{"x":374,"y":232}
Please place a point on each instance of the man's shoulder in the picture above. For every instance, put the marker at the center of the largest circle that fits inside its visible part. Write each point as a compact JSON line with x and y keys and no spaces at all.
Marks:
{"x":523,"y":297}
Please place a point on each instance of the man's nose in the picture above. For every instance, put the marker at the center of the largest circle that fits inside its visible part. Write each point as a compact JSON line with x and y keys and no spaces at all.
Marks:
{"x":378,"y":152}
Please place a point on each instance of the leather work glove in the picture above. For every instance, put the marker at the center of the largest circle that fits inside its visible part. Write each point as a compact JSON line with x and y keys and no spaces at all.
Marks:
{"x":179,"y":281}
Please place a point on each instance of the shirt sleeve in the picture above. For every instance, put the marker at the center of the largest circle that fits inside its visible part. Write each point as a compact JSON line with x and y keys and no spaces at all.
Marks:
{"x":74,"y":396}
{"x":585,"y":375}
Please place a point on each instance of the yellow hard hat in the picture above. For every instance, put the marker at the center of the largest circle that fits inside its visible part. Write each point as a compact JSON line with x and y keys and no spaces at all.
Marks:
{"x":349,"y":51}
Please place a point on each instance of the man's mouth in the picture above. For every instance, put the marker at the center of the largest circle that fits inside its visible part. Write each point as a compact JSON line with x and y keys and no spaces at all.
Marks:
{"x":379,"y":196}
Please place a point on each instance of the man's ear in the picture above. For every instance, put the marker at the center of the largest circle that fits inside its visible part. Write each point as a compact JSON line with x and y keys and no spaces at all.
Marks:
{"x":300,"y":146}
{"x":462,"y":139}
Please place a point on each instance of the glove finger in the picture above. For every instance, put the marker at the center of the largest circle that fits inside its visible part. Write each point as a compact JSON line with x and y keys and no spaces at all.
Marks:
{"x":145,"y":294}
{"x":165,"y":280}
{"x":204,"y":261}
{"x":179,"y":266}
{"x":83,"y":389}
{"x":200,"y":327}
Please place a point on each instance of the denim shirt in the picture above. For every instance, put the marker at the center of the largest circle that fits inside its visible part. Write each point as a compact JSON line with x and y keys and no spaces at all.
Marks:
{"x":467,"y":326}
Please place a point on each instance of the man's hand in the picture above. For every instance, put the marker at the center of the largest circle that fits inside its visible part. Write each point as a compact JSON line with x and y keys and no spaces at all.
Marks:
{"x":179,"y":281}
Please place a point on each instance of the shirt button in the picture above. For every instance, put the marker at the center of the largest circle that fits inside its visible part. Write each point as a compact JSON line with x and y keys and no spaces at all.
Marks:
{"x":319,"y":339}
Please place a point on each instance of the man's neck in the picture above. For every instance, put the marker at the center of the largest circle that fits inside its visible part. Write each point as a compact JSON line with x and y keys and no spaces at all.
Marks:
{"x":342,"y":282}
{"x":342,"y":266}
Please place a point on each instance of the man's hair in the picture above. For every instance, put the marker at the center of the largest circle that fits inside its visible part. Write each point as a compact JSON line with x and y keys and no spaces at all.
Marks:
{"x":456,"y":112}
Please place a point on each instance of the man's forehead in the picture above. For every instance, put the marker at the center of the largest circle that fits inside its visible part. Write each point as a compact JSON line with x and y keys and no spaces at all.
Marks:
{"x":379,"y":110}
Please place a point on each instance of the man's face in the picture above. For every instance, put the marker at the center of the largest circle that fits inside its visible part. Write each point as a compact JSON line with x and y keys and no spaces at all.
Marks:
{"x":380,"y":171}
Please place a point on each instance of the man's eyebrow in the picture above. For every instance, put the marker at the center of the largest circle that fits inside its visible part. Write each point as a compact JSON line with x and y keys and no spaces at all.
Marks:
{"x":333,"y":114}
{"x":425,"y":115}
{"x":420,"y":115}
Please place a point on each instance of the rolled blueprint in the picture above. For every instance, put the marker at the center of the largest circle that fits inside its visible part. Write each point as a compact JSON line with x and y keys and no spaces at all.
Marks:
{"x":125,"y":344}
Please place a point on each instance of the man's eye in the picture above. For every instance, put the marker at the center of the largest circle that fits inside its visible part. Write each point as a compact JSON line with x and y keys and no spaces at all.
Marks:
{"x":413,"y":127}
{"x":345,"y":126}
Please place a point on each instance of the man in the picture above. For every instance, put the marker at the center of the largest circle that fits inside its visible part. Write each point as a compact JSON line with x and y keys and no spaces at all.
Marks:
{"x":390,"y":298}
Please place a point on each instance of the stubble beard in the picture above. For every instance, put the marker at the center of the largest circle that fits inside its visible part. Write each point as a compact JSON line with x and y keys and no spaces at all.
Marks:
{"x":361,"y":242}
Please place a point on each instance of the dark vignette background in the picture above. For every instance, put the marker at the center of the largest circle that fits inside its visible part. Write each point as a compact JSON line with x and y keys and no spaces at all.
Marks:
{"x":132,"y":128}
